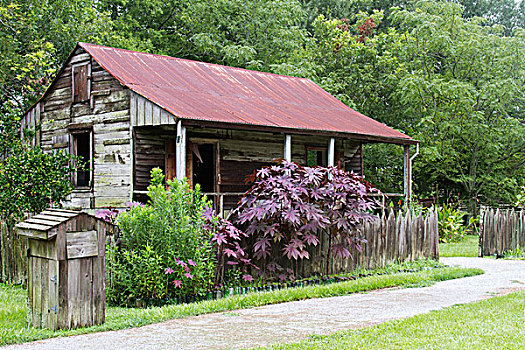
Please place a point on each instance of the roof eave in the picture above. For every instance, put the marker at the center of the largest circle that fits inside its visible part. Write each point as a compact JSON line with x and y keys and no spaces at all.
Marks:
{"x":299,"y":131}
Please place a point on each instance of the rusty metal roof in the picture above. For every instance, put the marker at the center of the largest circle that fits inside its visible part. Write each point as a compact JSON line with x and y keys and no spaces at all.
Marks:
{"x":193,"y":90}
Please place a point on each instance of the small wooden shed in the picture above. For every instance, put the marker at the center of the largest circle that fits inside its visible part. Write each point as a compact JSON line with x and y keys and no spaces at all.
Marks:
{"x":66,"y":251}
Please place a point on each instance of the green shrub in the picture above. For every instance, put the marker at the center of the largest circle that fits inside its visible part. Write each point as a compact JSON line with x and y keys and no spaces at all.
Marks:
{"x":451,"y":228}
{"x":164,"y":250}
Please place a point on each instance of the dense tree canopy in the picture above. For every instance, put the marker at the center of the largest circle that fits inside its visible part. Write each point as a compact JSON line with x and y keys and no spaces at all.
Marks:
{"x":450,"y":73}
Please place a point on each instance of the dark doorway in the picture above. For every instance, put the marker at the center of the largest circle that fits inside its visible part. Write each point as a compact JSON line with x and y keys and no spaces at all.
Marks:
{"x":204,"y":166}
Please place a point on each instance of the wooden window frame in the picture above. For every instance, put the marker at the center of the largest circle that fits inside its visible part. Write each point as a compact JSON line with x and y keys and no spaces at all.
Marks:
{"x":73,"y":151}
{"x":308,"y":148}
{"x":88,"y":83}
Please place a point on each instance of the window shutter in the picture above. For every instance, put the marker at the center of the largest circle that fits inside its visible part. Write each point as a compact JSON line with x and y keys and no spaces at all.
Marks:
{"x":81,"y":83}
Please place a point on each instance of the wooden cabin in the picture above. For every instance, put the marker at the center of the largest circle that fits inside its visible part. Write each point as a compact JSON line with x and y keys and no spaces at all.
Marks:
{"x":127,"y":112}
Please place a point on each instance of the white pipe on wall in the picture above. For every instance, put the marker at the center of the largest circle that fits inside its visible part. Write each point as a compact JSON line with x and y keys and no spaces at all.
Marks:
{"x":288,"y":148}
{"x":331,"y":152}
{"x":180,"y":156}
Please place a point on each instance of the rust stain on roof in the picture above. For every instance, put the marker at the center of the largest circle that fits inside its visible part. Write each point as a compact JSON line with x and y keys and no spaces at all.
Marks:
{"x":195,"y":90}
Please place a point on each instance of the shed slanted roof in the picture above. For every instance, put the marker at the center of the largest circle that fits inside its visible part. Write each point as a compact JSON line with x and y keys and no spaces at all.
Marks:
{"x":200,"y":91}
{"x":47,"y":219}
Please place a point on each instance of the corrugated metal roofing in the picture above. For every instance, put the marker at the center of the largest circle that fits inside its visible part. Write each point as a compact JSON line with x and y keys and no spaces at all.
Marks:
{"x":195,"y":90}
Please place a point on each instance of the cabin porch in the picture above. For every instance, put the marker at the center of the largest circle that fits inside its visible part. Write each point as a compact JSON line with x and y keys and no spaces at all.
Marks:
{"x":220,"y":158}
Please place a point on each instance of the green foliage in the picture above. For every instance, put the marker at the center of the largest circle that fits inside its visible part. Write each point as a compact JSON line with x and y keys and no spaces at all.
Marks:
{"x":515,"y":254}
{"x":162,"y":242}
{"x":384,"y":166}
{"x":31,"y":181}
{"x":520,"y":198}
{"x":450,"y":225}
{"x":464,"y":84}
{"x":251,"y":34}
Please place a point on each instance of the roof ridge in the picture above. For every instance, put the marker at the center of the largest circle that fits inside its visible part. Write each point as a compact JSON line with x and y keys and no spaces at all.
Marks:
{"x":83,"y":45}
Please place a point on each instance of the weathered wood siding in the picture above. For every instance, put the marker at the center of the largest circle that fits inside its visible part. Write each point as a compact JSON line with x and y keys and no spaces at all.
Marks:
{"x":66,"y":273}
{"x":146,"y":113}
{"x":106,"y":113}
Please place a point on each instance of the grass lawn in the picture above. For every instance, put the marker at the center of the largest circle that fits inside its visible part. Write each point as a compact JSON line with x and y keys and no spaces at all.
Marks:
{"x":13,"y":328}
{"x":467,"y":247}
{"x":497,"y":323}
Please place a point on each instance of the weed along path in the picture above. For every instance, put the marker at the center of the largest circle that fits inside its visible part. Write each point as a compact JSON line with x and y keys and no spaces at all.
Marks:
{"x":294,"y":321}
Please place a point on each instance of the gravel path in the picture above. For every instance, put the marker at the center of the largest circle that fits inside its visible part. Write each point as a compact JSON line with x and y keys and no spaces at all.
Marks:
{"x":295,"y":320}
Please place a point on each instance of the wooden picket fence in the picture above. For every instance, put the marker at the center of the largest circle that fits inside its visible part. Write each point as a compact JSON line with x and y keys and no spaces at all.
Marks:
{"x":13,"y":256}
{"x":502,"y":230}
{"x":390,"y":238}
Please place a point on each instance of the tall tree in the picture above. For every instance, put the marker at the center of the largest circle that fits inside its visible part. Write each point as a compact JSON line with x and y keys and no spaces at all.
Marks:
{"x":244,"y":33}
{"x":465,"y":84}
{"x":451,"y":82}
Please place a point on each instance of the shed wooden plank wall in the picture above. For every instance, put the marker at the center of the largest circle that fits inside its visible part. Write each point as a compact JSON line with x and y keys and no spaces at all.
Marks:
{"x":107,"y":114}
{"x":67,"y":291}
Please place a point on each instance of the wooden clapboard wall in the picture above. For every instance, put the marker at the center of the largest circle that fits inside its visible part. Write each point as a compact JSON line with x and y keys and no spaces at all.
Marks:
{"x":106,"y":115}
{"x":146,"y":113}
{"x":502,"y":230}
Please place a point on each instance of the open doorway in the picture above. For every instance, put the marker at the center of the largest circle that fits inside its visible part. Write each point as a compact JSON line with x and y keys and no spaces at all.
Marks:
{"x":204,"y":166}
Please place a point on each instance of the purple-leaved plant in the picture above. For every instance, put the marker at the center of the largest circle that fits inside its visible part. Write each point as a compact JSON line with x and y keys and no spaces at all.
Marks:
{"x":228,"y":239}
{"x":293,"y":205}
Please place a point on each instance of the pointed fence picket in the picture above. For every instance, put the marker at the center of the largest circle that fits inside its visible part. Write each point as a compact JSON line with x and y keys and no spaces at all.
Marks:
{"x":501,"y":230}
{"x":390,"y":238}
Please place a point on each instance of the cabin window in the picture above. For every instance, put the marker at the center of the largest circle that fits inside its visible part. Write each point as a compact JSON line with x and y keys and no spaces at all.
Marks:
{"x":81,"y":83}
{"x":82,"y":149}
{"x":316,"y":156}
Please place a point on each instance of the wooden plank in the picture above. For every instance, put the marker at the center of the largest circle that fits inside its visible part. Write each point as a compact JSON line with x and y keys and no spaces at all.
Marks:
{"x":99,"y":304}
{"x":74,"y":303}
{"x":156,"y":115}
{"x":42,"y":249}
{"x":48,"y":221}
{"x":45,"y":293}
{"x":85,"y":292}
{"x":60,"y":242}
{"x":63,"y":295}
{"x":81,"y":244}
{"x":53,"y":281}
{"x":148,"y":113}
{"x":37,"y":292}
{"x":30,"y":282}
{"x":133,"y":108}
{"x":27,"y":228}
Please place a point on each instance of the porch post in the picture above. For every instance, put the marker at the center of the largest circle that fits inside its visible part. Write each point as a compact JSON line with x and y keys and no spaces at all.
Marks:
{"x":407,"y":171}
{"x":288,"y":148}
{"x":180,"y":151}
{"x":331,"y":152}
